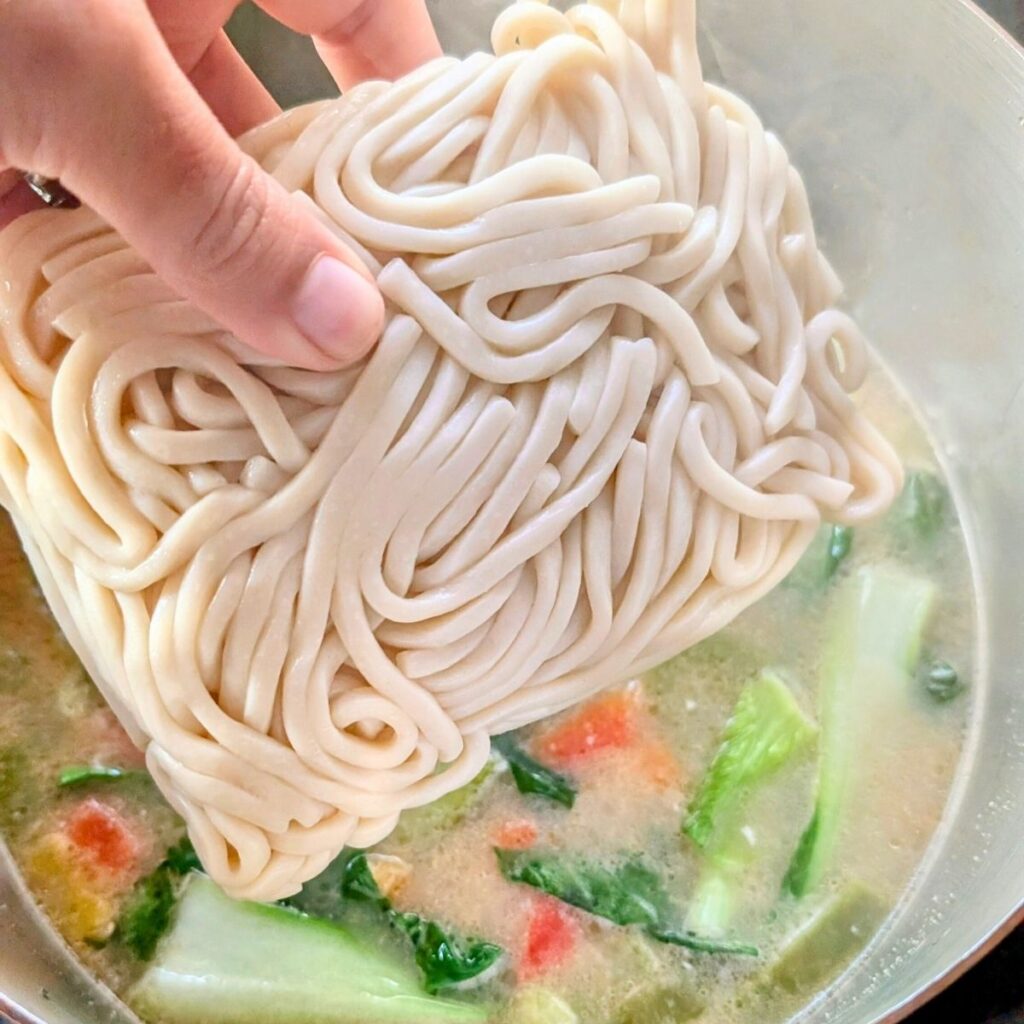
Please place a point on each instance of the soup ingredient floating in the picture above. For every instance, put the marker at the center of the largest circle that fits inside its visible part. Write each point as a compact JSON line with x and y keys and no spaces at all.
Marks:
{"x":227,"y":962}
{"x":609,"y":410}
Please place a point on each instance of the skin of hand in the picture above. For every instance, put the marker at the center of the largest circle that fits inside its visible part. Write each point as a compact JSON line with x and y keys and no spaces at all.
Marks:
{"x":134,"y":105}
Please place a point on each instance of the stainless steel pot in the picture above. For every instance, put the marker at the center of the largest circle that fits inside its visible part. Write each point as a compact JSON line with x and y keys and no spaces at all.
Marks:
{"x":907,"y":118}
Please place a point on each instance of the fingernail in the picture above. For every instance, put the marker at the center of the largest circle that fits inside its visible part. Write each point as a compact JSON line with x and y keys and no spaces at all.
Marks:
{"x":338,"y":309}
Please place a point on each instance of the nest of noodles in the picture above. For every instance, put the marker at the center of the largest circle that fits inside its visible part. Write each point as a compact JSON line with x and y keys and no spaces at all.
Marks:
{"x":608,"y":412}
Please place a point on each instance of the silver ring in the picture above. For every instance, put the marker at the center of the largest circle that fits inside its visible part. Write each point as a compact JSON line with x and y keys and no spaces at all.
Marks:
{"x":51,"y":191}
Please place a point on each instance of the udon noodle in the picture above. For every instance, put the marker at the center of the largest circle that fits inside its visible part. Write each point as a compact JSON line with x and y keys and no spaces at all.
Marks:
{"x":609,"y":411}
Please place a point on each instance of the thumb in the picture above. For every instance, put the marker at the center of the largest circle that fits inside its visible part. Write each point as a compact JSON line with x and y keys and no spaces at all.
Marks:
{"x":155,"y":162}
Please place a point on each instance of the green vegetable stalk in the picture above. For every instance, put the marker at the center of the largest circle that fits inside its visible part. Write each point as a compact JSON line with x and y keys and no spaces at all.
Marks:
{"x":872,"y":647}
{"x":230,"y":962}
{"x":828,"y":941}
{"x":766,"y":728}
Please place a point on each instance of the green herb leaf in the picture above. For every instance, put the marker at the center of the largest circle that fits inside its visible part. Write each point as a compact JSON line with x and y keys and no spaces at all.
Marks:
{"x":147,"y":914}
{"x":699,"y":944}
{"x":532,"y":777}
{"x":182,"y":857}
{"x":81,"y":774}
{"x":629,"y":894}
{"x":444,"y":959}
{"x":942,"y":682}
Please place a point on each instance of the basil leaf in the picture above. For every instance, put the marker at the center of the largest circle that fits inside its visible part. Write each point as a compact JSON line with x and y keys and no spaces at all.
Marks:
{"x":532,"y":777}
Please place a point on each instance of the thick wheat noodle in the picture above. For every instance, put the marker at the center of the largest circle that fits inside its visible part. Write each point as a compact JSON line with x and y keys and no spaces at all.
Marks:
{"x":608,"y":411}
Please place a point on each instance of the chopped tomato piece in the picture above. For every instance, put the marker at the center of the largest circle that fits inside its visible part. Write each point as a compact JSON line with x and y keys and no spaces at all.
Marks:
{"x":103,"y":837}
{"x":607,"y":723}
{"x":550,"y":937}
{"x":518,"y":834}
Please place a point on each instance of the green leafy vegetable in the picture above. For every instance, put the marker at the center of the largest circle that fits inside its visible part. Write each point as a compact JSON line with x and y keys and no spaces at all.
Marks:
{"x":765,"y":729}
{"x":81,"y":774}
{"x":631,"y":893}
{"x":147,"y":914}
{"x":182,"y":858}
{"x":767,"y":707}
{"x":530,"y":776}
{"x":920,"y":511}
{"x":149,"y":909}
{"x":230,"y":962}
{"x":829,"y":940}
{"x":942,"y":682}
{"x":872,"y":645}
{"x":444,"y":959}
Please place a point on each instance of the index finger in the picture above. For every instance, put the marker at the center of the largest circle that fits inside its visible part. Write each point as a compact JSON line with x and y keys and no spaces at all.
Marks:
{"x":362,"y":39}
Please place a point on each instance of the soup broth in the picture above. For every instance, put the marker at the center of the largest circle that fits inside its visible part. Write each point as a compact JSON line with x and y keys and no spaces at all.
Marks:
{"x":712,"y":841}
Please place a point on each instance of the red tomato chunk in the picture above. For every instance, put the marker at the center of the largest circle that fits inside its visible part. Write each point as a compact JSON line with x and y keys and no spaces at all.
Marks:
{"x":103,"y":836}
{"x":550,"y":937}
{"x":518,"y":834}
{"x":607,"y":723}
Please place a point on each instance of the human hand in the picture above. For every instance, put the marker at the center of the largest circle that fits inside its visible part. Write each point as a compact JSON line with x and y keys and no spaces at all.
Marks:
{"x":133,"y":107}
